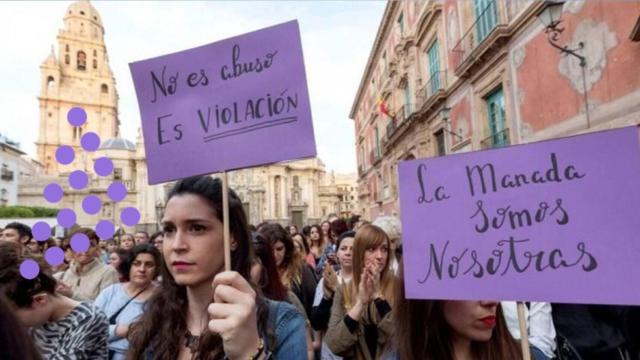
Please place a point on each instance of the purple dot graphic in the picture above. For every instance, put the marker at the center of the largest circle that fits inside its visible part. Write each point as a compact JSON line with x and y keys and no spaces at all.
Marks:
{"x":91,"y":204}
{"x":117,"y":191}
{"x":65,"y":154}
{"x":90,"y":141}
{"x":53,"y":193}
{"x":66,"y":218}
{"x":80,"y":243}
{"x":54,"y":256}
{"x":77,"y":116}
{"x":105,"y":229}
{"x":29,"y":269}
{"x":41,"y":231}
{"x":103,"y":166}
{"x":130,"y":216}
{"x":78,"y":179}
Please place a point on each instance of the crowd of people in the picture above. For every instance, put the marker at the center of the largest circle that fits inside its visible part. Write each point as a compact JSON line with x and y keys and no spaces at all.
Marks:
{"x":332,"y":290}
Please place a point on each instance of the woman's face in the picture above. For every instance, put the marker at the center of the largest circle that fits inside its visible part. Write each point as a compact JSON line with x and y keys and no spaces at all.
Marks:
{"x":377,"y":256}
{"x":293,"y":230}
{"x":278,"y":252}
{"x":127,"y":242}
{"x":111,"y":247}
{"x":114,"y":260}
{"x":345,"y":252}
{"x":192,"y":234}
{"x":314,"y":234}
{"x":471,"y":320}
{"x":143,"y":270}
{"x":325,"y":228}
{"x":157,"y":242}
{"x":298,"y":245}
{"x":32,"y":245}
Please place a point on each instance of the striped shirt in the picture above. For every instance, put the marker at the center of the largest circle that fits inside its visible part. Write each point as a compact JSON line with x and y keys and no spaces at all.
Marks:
{"x":81,"y":334}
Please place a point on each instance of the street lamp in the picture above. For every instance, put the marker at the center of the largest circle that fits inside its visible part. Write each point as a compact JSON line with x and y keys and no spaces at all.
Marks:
{"x":445,"y":112}
{"x":551,"y":16}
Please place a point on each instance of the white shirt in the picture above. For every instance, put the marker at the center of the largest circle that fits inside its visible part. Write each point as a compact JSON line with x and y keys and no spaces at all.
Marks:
{"x":542,"y":332}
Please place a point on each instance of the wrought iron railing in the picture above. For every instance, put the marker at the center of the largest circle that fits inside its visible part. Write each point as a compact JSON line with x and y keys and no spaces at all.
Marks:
{"x":436,"y":82}
{"x":486,"y":21}
{"x":496,"y":140}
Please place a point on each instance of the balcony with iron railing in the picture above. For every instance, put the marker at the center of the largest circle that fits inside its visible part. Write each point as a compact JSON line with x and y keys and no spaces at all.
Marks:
{"x":488,"y":32}
{"x":499,"y":139}
{"x":434,"y":88}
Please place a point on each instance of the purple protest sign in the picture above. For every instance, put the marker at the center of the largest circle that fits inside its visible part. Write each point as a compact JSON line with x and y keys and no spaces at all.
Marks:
{"x":549,"y":221}
{"x":232,"y":104}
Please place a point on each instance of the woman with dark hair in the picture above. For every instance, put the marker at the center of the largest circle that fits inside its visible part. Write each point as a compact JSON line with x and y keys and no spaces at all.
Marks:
{"x":115,"y":259}
{"x":180,"y":320}
{"x":450,"y":330}
{"x":14,"y":341}
{"x":361,"y":321}
{"x":61,"y":327}
{"x":156,"y":239}
{"x":264,"y":273}
{"x":123,"y":303}
{"x":318,"y":242}
{"x":295,"y":274}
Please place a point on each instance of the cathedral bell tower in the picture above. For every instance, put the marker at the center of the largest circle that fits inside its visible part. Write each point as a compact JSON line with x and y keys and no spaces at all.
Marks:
{"x":78,"y":76}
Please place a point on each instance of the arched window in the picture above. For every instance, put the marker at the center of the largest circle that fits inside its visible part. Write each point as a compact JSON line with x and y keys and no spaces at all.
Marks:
{"x":95,"y":63}
{"x":95,"y":52}
{"x":81,"y":60}
{"x":66,"y":59}
{"x":51,"y":81}
{"x":66,"y":48}
{"x":104,"y":89}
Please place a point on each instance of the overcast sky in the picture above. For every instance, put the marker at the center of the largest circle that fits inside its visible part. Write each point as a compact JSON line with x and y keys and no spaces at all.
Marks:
{"x":336,"y":39}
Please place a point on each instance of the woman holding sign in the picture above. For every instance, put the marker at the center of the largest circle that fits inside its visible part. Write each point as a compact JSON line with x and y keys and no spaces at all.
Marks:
{"x":361,"y":321}
{"x":201,"y":311}
{"x":450,"y":330}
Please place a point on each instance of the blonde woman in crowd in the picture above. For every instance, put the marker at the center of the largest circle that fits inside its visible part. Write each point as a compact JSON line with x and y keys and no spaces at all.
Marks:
{"x":361,"y":319}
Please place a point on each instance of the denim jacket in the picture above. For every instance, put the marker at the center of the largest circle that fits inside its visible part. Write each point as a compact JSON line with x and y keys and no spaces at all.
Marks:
{"x":288,"y":323}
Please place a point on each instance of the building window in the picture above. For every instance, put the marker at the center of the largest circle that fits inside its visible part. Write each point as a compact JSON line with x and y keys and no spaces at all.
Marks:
{"x":496,"y":115}
{"x":117,"y":174}
{"x":434,"y":67}
{"x":95,"y":52}
{"x":51,"y":81}
{"x":95,"y":63}
{"x":104,"y":88}
{"x":401,"y":24}
{"x":407,"y":101}
{"x":81,"y":60}
{"x":378,"y":152}
{"x":441,"y":149}
{"x":66,"y":48}
{"x":66,"y":59}
{"x":486,"y":17}
{"x":4,"y":197}
{"x":296,"y":181}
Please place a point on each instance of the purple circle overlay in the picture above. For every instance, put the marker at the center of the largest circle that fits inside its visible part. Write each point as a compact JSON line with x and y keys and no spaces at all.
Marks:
{"x":29,"y":269}
{"x":91,"y":204}
{"x":80,"y":242}
{"x":90,"y":141}
{"x":54,"y":256}
{"x":53,"y":193}
{"x":103,"y":166}
{"x":65,"y":154}
{"x":78,"y":180}
{"x":130,"y":216}
{"x":105,"y":229}
{"x":41,"y":231}
{"x":66,"y":218}
{"x":117,"y":191}
{"x":77,"y":116}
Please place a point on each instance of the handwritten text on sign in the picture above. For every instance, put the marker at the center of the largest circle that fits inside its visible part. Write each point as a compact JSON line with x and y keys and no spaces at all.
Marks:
{"x":232,"y":104}
{"x":549,"y":221}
